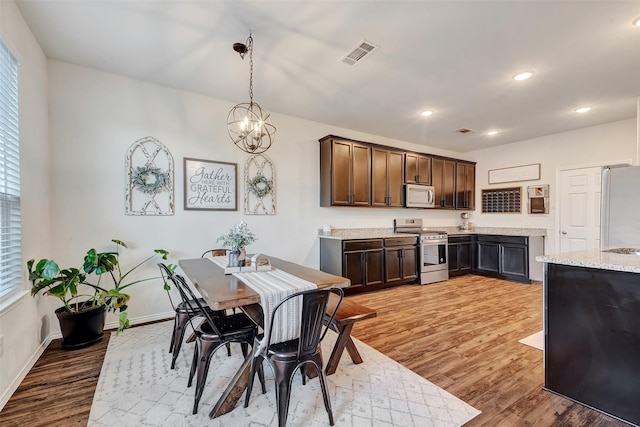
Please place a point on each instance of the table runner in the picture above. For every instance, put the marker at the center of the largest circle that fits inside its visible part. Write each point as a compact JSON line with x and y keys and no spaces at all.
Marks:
{"x":273,"y":286}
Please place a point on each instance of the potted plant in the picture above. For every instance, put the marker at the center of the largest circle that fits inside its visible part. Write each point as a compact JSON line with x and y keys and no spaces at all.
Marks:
{"x":85,"y":303}
{"x":237,"y":238}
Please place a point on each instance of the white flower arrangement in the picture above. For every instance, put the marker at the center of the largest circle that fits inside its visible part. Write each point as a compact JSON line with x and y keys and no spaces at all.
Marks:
{"x":238,"y":237}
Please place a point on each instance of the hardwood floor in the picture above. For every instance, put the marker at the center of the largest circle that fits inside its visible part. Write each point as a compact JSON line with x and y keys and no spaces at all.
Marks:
{"x":462,"y":335}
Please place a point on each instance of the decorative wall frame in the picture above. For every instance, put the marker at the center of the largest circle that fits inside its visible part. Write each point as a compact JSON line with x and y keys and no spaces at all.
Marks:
{"x":149,"y":178}
{"x":515,"y":173}
{"x":210,"y":185}
{"x":260,"y":186}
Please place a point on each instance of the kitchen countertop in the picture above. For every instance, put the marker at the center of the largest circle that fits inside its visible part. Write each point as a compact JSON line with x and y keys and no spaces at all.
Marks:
{"x":595,"y":258}
{"x":381,"y":233}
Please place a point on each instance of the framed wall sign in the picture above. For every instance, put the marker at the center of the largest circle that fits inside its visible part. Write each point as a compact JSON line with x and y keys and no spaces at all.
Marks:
{"x":210,"y":185}
{"x":516,"y":173}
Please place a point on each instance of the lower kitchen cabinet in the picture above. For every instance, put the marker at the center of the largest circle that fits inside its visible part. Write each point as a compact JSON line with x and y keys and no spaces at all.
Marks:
{"x":371,"y":263}
{"x":401,"y":260}
{"x":462,"y":255}
{"x":504,"y":257}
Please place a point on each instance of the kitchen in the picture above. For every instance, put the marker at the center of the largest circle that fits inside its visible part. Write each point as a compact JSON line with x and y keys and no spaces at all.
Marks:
{"x":74,"y":111}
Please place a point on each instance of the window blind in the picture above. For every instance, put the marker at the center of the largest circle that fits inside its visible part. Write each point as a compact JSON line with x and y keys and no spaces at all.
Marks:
{"x":10,"y":228}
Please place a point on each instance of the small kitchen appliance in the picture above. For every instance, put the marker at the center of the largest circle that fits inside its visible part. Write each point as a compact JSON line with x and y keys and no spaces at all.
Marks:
{"x":419,"y":196}
{"x":465,"y":225}
{"x":434,"y":265}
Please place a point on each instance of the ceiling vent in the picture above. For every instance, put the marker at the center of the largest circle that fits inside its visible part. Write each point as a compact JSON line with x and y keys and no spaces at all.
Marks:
{"x":359,"y":52}
{"x":464,"y":130}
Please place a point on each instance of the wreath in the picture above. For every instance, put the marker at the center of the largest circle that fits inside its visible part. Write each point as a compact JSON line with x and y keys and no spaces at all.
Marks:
{"x":260,"y":186}
{"x":150,"y":180}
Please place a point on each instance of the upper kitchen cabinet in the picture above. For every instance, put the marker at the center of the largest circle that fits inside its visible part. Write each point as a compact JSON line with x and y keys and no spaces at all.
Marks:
{"x":387,"y":177}
{"x":345,"y":172}
{"x":443,"y":178}
{"x":465,"y":185}
{"x":417,"y":168}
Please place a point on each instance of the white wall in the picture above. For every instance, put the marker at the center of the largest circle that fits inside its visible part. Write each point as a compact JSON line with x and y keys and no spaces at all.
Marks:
{"x":96,"y":116}
{"x":24,"y":321}
{"x":583,"y":147}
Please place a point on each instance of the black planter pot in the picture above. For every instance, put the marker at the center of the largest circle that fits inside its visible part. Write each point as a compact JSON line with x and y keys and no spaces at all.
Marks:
{"x":82,"y":328}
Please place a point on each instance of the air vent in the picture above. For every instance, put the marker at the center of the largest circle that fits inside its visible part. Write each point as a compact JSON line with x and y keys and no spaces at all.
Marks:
{"x":359,"y":52}
{"x":464,"y":130}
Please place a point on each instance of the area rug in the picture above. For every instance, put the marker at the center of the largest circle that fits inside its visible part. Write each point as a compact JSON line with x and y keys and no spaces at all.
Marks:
{"x":534,"y":340}
{"x":137,"y":388}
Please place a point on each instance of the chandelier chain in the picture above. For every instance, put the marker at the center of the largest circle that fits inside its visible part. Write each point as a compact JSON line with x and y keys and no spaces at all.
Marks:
{"x":250,"y":47}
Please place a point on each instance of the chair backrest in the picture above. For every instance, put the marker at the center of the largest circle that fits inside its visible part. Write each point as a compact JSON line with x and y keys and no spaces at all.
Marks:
{"x":314,"y":306}
{"x":167,"y":276}
{"x":214,"y":252}
{"x":193,"y":303}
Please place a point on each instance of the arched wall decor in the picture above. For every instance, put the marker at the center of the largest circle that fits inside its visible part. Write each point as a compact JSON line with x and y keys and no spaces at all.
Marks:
{"x":260,"y":186}
{"x":149,"y":178}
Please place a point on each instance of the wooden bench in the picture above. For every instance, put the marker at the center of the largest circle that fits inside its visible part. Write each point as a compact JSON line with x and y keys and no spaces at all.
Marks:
{"x":349,"y":312}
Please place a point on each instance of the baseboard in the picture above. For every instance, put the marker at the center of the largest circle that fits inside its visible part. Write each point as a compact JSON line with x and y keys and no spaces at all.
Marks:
{"x":143,"y":319}
{"x":6,"y":395}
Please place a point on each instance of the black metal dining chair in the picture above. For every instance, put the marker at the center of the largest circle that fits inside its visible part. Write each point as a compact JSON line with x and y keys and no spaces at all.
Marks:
{"x":184,"y":313}
{"x":286,"y":357}
{"x":211,"y":334}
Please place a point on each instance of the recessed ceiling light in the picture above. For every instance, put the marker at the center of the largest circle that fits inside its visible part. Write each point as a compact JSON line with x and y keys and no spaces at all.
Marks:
{"x":582,"y":109}
{"x":636,"y":21}
{"x":492,"y":132}
{"x":523,"y":76}
{"x":426,"y":113}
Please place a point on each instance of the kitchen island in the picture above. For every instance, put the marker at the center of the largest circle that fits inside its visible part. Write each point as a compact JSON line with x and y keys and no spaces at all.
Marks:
{"x":592,"y":330}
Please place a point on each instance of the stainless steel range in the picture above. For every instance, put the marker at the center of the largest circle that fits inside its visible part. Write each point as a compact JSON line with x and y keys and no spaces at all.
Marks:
{"x":434,"y":265}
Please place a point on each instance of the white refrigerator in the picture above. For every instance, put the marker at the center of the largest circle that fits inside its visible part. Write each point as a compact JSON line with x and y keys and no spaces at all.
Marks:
{"x":620,"y":211}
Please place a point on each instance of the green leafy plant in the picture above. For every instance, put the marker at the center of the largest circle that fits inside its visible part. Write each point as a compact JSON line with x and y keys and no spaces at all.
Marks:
{"x":238,"y":237}
{"x":73,"y":288}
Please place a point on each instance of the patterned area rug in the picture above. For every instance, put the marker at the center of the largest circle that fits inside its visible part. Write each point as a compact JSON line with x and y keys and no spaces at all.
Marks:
{"x":137,"y":388}
{"x":534,"y":340}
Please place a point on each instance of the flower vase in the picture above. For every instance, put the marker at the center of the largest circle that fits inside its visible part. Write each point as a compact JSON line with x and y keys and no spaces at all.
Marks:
{"x":234,"y":258}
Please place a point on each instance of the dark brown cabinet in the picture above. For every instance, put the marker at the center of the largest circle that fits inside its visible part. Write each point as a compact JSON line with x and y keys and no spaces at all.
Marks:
{"x":465,"y":185}
{"x":462,"y":255}
{"x":417,"y":168}
{"x":401,"y":260}
{"x":355,"y":173}
{"x":360,"y":261}
{"x":504,"y":256}
{"x":443,"y":178}
{"x":387,"y":177}
{"x":345,"y":173}
{"x":371,"y":263}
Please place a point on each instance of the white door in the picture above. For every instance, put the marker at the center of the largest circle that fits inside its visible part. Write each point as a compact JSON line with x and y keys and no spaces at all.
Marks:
{"x":580,"y":208}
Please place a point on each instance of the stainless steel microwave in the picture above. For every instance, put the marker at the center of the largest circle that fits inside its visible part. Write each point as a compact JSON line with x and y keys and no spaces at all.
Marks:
{"x":419,"y":196}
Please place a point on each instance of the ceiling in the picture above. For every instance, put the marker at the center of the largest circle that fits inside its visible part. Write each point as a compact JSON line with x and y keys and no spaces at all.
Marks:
{"x":456,"y":58}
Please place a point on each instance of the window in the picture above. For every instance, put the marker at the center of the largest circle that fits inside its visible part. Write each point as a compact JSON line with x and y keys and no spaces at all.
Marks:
{"x":10,"y":231}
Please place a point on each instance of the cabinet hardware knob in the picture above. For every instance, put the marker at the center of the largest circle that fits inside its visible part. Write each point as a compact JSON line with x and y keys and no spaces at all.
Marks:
{"x":564,"y":232}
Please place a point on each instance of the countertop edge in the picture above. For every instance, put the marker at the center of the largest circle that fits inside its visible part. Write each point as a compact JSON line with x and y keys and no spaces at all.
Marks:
{"x":594,"y":258}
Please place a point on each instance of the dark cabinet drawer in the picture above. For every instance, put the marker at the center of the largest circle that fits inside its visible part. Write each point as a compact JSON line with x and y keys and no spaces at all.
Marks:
{"x":518,"y":240}
{"x":401,"y":241}
{"x":362,"y":245}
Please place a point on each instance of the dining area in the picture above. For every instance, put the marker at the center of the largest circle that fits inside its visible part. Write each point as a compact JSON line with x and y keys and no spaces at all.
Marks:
{"x":239,"y":305}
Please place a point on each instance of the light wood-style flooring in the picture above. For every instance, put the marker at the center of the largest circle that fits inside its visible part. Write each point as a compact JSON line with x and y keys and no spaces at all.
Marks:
{"x":461,"y":335}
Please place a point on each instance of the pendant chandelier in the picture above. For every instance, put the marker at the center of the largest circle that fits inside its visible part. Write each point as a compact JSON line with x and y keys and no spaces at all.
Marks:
{"x":249,"y":126}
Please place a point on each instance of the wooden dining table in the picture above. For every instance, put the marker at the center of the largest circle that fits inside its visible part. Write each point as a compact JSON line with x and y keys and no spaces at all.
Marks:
{"x":223,"y":291}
